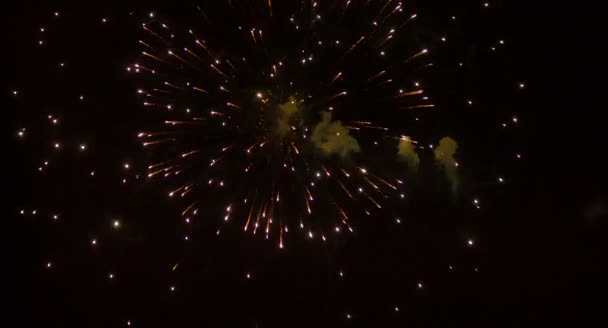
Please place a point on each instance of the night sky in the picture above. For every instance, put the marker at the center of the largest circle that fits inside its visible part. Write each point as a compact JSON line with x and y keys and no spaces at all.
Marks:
{"x":288,"y":163}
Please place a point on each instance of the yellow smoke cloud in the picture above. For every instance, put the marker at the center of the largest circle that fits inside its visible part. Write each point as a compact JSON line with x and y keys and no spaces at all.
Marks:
{"x":333,"y":137}
{"x":444,"y":156}
{"x":287,"y":112}
{"x":407,"y":153}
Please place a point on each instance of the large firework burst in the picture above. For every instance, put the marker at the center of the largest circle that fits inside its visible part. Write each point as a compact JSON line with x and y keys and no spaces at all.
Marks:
{"x":288,"y":114}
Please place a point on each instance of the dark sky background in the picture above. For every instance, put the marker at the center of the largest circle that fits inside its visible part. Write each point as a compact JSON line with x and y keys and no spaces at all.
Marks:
{"x":539,"y":240}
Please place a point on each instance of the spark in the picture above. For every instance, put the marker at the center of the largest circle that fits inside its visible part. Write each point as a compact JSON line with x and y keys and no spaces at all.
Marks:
{"x":418,"y":54}
{"x":343,"y":93}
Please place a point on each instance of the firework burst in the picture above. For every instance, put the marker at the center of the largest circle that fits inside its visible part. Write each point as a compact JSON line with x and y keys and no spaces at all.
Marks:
{"x":275,"y":112}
